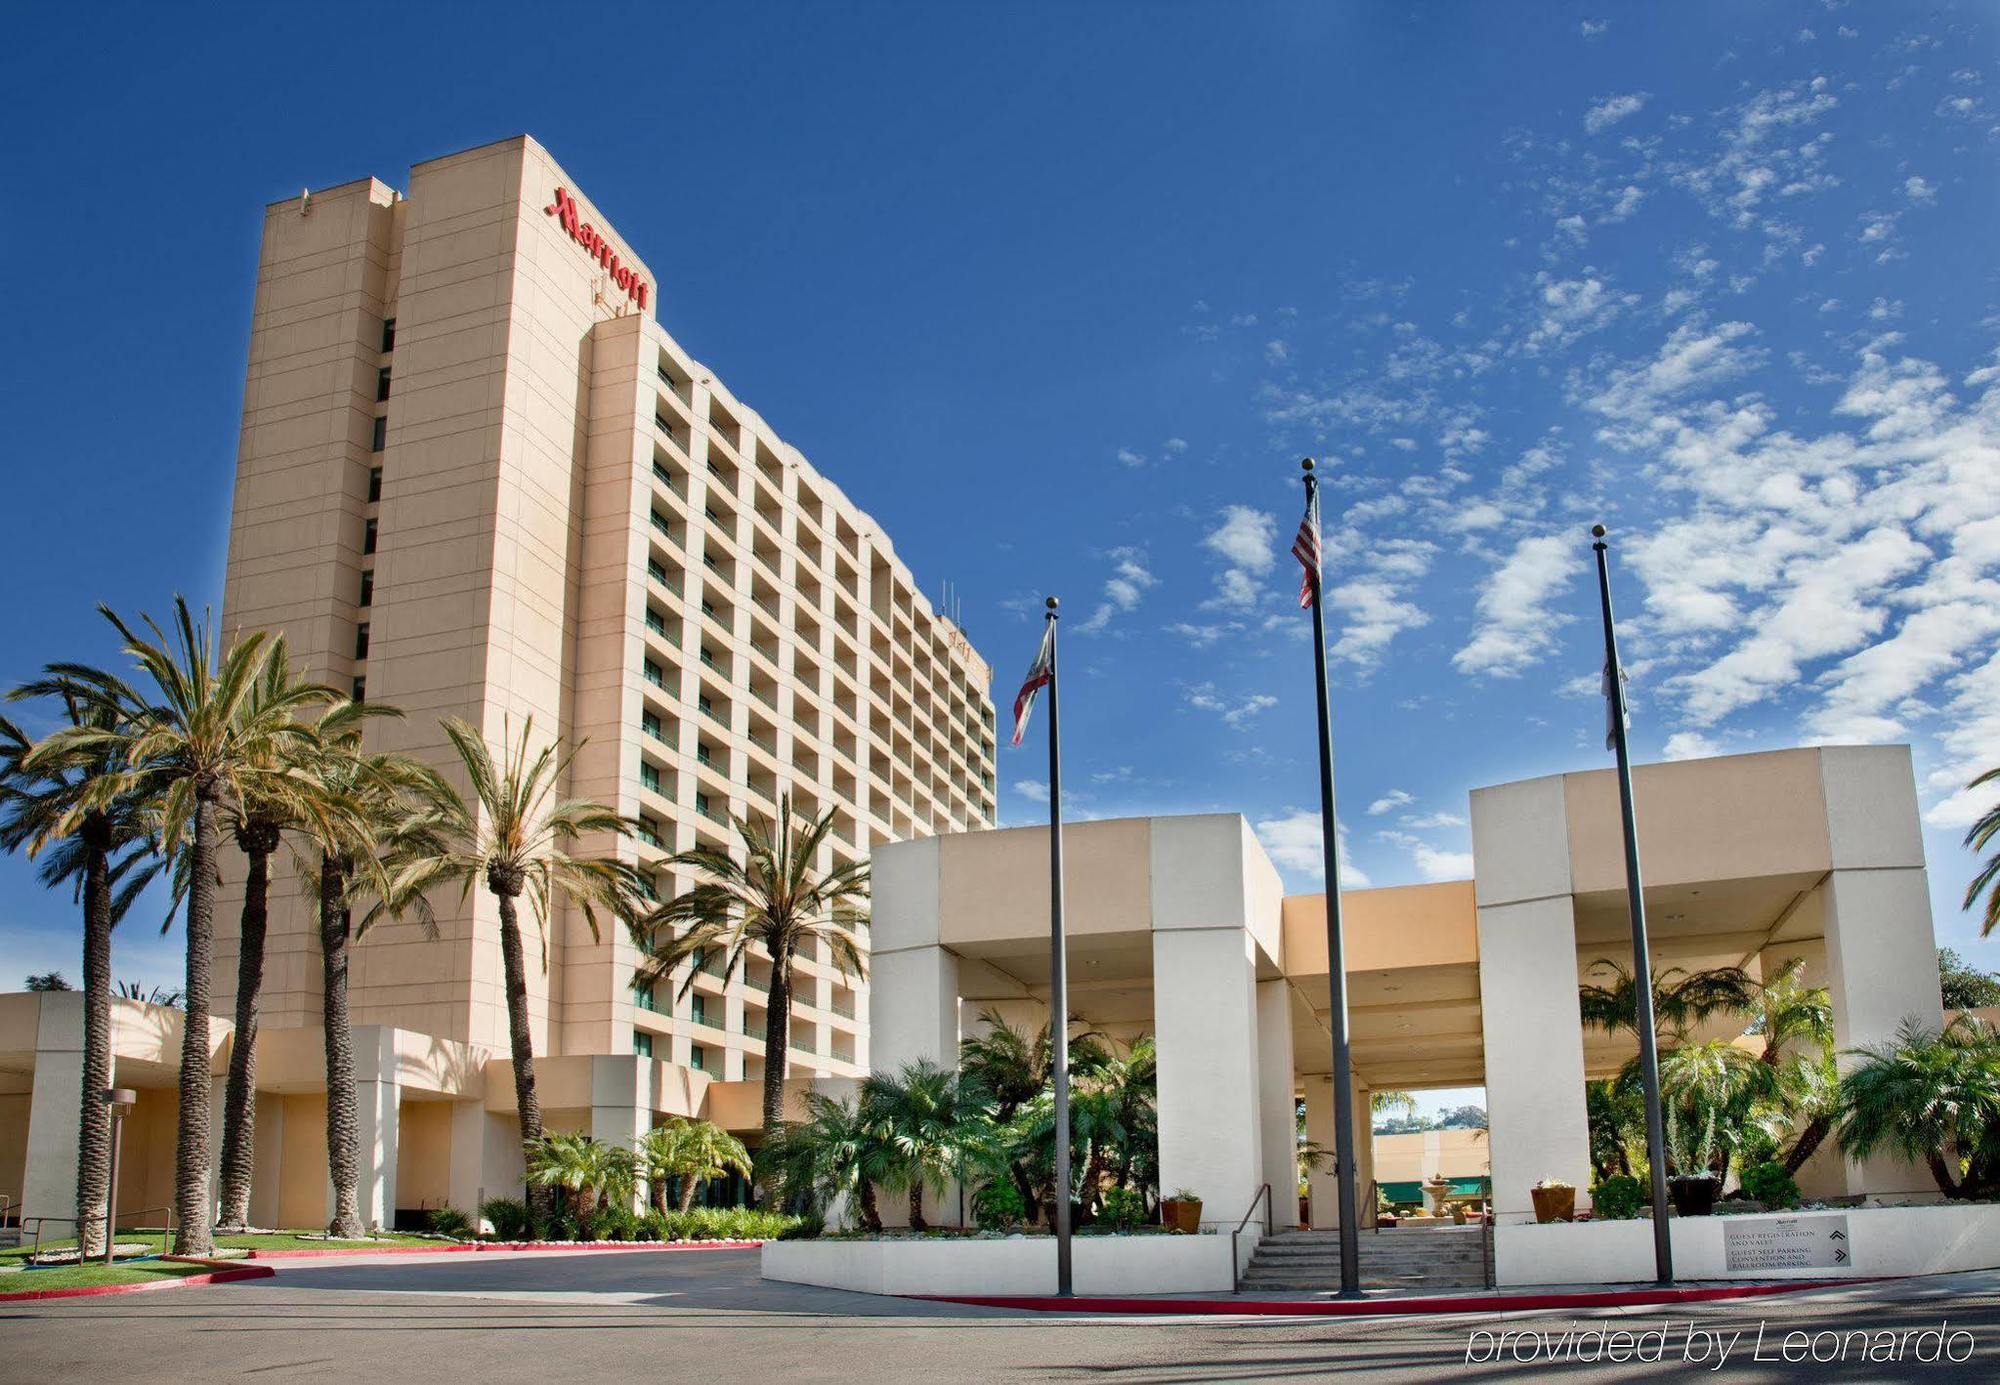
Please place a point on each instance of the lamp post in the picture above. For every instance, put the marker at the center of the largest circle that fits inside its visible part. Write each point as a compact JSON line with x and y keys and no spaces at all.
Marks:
{"x":121,"y":1101}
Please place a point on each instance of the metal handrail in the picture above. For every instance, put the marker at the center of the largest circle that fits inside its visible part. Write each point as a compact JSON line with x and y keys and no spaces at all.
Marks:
{"x":1235,"y":1270}
{"x":110,"y":1233}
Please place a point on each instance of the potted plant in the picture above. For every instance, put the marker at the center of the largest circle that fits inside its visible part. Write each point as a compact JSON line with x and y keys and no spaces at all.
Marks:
{"x":1693,"y":1194}
{"x":1555,"y":1200}
{"x":1182,"y":1210}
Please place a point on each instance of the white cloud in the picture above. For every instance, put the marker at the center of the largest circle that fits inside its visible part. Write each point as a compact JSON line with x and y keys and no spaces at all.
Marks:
{"x":1127,"y":457}
{"x":1592,"y":28}
{"x":1246,"y":540}
{"x":1236,"y":713}
{"x":1613,"y":109}
{"x":1427,"y":821}
{"x":1689,"y":745}
{"x":1173,"y":447}
{"x":1276,"y":352}
{"x":1123,"y":590}
{"x":1516,"y":625}
{"x":1034,"y":790}
{"x":1971,"y":745}
{"x":1570,"y":308}
{"x":1431,"y":862}
{"x":1919,"y":189}
{"x":1390,"y":802}
{"x":1694,"y":356}
{"x":1296,"y":843}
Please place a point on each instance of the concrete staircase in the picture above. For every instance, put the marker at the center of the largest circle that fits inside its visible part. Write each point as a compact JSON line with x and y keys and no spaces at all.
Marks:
{"x":1441,"y":1258}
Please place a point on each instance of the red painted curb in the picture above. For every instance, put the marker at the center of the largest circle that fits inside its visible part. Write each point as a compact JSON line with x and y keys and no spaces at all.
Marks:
{"x":233,"y":1275}
{"x":1387,"y":1307}
{"x":452,"y":1247}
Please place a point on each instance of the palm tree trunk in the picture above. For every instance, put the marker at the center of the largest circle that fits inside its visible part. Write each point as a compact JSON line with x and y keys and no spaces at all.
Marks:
{"x":521,"y":1042}
{"x":1942,"y":1175}
{"x":1808,"y":1141}
{"x":917,"y":1222}
{"x":343,"y":1118}
{"x":687,"y":1192}
{"x":777,"y":1051}
{"x":871,"y":1215}
{"x":239,"y":1097}
{"x":93,"y":1134}
{"x":192,"y":1204}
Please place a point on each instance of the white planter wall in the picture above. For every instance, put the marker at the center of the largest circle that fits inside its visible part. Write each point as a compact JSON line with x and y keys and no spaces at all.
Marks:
{"x":1885,"y":1241}
{"x":1103,"y":1265}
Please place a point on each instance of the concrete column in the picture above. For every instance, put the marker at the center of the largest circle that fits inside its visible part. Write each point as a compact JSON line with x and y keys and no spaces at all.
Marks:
{"x":915,"y":994}
{"x":54,"y":1104}
{"x":1206,"y":1027}
{"x":267,"y":1179}
{"x":620,"y":1111}
{"x":1276,"y":1100}
{"x":378,"y":1105}
{"x":1538,"y":1123}
{"x":1881,"y":959}
{"x":467,"y":1186}
{"x":1535,"y":1109}
{"x":1322,"y":1187}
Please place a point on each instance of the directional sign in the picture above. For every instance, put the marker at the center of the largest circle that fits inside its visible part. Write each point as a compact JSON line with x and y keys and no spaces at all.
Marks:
{"x":1759,"y":1244}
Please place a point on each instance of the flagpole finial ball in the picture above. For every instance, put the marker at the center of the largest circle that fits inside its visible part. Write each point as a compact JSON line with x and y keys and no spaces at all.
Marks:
{"x":1597,"y":531}
{"x":1052,"y":603}
{"x":1306,"y":465}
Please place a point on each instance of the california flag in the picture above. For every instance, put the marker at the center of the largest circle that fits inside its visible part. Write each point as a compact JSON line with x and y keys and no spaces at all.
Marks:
{"x":1040,"y":674}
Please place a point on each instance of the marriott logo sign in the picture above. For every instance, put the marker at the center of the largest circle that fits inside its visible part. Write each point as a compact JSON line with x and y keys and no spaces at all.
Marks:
{"x":564,"y":208}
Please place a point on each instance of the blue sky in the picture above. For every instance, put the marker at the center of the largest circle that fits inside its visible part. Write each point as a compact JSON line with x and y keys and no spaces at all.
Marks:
{"x":1061,"y":293}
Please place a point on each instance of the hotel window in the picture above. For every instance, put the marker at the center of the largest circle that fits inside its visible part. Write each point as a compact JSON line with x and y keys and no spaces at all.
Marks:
{"x":361,"y":640}
{"x":381,"y":384}
{"x":656,"y":570}
{"x":663,"y":476}
{"x":649,"y":722}
{"x":367,"y":588}
{"x":661,"y":523}
{"x":361,"y":690}
{"x":655,"y":674}
{"x":698,"y":1058}
{"x":655,"y":622}
{"x":388,"y":334}
{"x":642,"y":1044}
{"x":374,"y":484}
{"x":649,"y":776}
{"x":381,"y":439}
{"x":368,"y":537}
{"x":642,"y":996}
{"x":699,"y":1010}
{"x":649,"y":833}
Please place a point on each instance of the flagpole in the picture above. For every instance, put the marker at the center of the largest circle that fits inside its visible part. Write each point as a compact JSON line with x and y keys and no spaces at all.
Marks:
{"x":1642,"y":959}
{"x":1058,"y":973}
{"x":1336,"y":948}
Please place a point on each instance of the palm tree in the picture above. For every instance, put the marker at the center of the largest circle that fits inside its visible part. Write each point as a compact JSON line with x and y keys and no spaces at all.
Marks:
{"x":384,"y":827}
{"x":774,"y":899}
{"x":836,"y":1152}
{"x":1983,"y":834}
{"x":1706,"y":1090}
{"x":1931,"y":1096}
{"x":591,"y":1171}
{"x":693,"y":1151}
{"x":1795,"y":1022}
{"x":102,"y":848}
{"x":1005,"y":1069}
{"x":1681,"y":999}
{"x":288,"y":795}
{"x":189,"y":749}
{"x":516,"y":836}
{"x":924,"y":1122}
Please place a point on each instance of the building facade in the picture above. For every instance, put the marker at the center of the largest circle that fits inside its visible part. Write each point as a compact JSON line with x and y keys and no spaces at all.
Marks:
{"x":478,"y":479}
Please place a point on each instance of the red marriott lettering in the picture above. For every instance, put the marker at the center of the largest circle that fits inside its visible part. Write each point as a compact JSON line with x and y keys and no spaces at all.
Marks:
{"x":593,"y":241}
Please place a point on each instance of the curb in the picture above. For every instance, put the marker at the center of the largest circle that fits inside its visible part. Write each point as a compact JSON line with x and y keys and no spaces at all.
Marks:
{"x":1386,"y":1307}
{"x":474,"y":1247}
{"x":225,"y":1272}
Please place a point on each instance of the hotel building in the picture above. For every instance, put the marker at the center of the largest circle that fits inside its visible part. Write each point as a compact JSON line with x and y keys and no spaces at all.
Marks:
{"x":477,"y":478}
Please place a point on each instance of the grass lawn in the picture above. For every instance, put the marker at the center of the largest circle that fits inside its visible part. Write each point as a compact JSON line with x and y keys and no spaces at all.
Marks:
{"x":274,"y":1240}
{"x":84,"y":1276}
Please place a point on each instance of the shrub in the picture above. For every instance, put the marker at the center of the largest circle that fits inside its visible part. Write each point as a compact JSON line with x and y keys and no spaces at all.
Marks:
{"x":1618,"y":1198}
{"x":447,"y":1220}
{"x":724,"y":1224}
{"x":616,"y":1223}
{"x":508,"y":1215}
{"x":1124,"y":1208}
{"x":1771,"y":1185}
{"x":998,"y":1205}
{"x":808,"y":1228}
{"x":652,"y":1227}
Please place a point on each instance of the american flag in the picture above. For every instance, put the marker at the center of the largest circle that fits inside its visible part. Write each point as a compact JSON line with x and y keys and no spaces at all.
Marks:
{"x":1040,"y":674}
{"x":1306,"y":548}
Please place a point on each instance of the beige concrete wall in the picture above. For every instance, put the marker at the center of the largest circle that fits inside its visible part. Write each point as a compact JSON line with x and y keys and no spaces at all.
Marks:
{"x":423,"y":1155}
{"x":303,"y":1199}
{"x":1422,"y":1154}
{"x":13,"y":1144}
